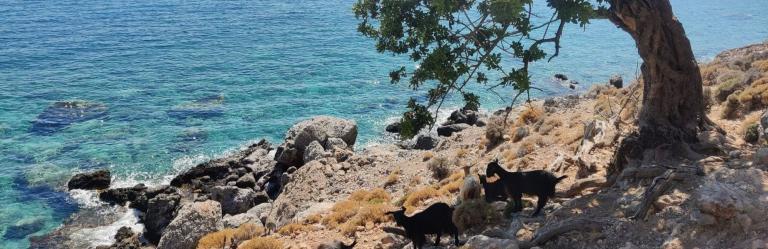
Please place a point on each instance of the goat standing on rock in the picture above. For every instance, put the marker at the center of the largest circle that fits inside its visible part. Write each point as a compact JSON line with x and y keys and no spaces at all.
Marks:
{"x":436,"y":219}
{"x":537,"y":182}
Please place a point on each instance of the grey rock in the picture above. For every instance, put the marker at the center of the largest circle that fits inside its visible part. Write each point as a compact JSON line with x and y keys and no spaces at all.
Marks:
{"x":246,"y":181}
{"x":160,"y":213}
{"x":319,"y":129}
{"x":253,"y":215}
{"x":335,"y":143}
{"x":193,"y":221}
{"x":463,"y":116}
{"x":313,"y":151}
{"x":482,"y":241}
{"x":99,"y":179}
{"x":393,"y":127}
{"x":233,"y":200}
{"x":426,"y":142}
{"x":761,"y":156}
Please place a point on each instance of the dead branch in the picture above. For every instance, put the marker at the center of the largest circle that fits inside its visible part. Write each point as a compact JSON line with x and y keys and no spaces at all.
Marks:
{"x":545,"y":234}
{"x":581,"y":184}
{"x":660,"y":185}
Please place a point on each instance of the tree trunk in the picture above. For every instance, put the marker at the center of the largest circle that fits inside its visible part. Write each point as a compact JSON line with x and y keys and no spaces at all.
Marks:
{"x":673,"y":106}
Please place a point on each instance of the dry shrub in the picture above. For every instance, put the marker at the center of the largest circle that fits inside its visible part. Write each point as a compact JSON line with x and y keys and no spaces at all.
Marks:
{"x":450,"y":187}
{"x":230,"y":237}
{"x":440,"y":167}
{"x":461,"y":153}
{"x":361,"y":208}
{"x":525,"y":148}
{"x":427,"y":155}
{"x":392,"y":178}
{"x":416,"y":198}
{"x":761,"y":65}
{"x":731,"y":107}
{"x":474,"y":214}
{"x":603,"y":106}
{"x":548,"y":125}
{"x":709,"y":74}
{"x":313,"y":219}
{"x":293,"y":229}
{"x":519,"y":133}
{"x":262,"y":243}
{"x":494,"y":131}
{"x":727,"y":83}
{"x":756,"y":95}
{"x":529,"y":115}
{"x":571,"y":134}
{"x":415,"y":180}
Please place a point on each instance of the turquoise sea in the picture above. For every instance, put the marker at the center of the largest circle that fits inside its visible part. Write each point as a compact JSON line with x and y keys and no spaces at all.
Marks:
{"x":175,"y":82}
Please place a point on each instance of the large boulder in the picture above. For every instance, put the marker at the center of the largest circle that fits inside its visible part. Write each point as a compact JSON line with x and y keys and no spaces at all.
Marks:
{"x":253,"y":215}
{"x":463,"y":116}
{"x":485,"y":242}
{"x":616,"y":81}
{"x":138,"y":196}
{"x":318,"y":129}
{"x":426,"y":142}
{"x":234,"y":200}
{"x":193,"y":221}
{"x":306,"y":188}
{"x":313,"y":152}
{"x":393,"y":127}
{"x":99,"y":179}
{"x":733,"y":196}
{"x":160,"y":213}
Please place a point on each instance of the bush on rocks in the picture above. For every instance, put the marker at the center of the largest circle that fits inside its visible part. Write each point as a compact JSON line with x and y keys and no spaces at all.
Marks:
{"x":474,"y":214}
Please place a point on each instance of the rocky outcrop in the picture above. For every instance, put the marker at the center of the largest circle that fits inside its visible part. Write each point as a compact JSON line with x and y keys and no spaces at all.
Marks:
{"x":193,"y":221}
{"x":235,"y":200}
{"x":138,"y":195}
{"x":255,"y":215}
{"x":448,"y":130}
{"x":733,"y":197}
{"x":313,"y":152}
{"x":64,"y":113}
{"x":160,"y":212}
{"x":616,"y":81}
{"x":319,"y":129}
{"x":99,"y":179}
{"x":305,"y":189}
{"x":393,"y":127}
{"x":426,"y":142}
{"x":463,"y":116}
{"x":217,"y":172}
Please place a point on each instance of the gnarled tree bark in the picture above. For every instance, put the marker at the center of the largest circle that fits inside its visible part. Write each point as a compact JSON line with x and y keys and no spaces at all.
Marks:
{"x":673,"y":103}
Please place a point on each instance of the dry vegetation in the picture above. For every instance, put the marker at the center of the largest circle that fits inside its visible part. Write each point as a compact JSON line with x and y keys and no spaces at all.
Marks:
{"x":229,"y":238}
{"x":362,"y":208}
{"x":262,"y":243}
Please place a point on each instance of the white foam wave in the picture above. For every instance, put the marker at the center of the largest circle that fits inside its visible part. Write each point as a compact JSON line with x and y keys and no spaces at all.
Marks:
{"x":104,"y":235}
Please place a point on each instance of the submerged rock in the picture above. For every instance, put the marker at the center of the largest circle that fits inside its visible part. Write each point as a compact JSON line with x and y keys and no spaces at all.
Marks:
{"x":193,"y":221}
{"x":207,"y":107}
{"x":99,"y":179}
{"x":64,"y":113}
{"x":21,"y":230}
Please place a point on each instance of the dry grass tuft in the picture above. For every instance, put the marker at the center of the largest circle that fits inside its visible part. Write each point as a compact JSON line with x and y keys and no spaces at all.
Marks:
{"x":293,"y":229}
{"x":727,"y":83}
{"x":440,"y":167}
{"x":262,"y":243}
{"x":529,"y":115}
{"x":360,"y":209}
{"x":416,"y":198}
{"x":548,"y":124}
{"x":709,"y":74}
{"x":392,"y":178}
{"x":761,"y":65}
{"x":731,"y":108}
{"x":313,"y":219}
{"x":461,"y":153}
{"x":755,"y":96}
{"x":230,"y":237}
{"x":475,"y":214}
{"x":494,"y":131}
{"x":427,"y":155}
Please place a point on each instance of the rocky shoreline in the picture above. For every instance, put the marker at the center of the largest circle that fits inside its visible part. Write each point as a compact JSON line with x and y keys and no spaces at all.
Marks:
{"x":294,"y":191}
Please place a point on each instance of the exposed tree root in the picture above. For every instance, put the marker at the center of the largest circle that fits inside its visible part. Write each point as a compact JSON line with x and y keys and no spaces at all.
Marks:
{"x":660,"y":185}
{"x":581,"y":184}
{"x":545,"y":234}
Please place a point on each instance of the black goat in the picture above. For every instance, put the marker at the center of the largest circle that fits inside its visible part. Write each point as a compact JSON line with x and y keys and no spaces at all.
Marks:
{"x":436,"y":219}
{"x":494,"y":191}
{"x":537,"y":182}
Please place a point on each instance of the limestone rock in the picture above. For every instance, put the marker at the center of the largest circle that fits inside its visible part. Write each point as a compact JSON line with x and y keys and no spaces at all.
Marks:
{"x":193,"y":221}
{"x":485,"y":242}
{"x":99,"y":179}
{"x":246,"y":181}
{"x":318,"y":129}
{"x":313,"y":152}
{"x":306,"y":188}
{"x":233,"y":200}
{"x":160,"y":213}
{"x":253,"y":215}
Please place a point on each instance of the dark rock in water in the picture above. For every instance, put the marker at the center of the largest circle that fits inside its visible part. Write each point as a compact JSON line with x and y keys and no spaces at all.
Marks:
{"x":207,"y":107}
{"x":393,"y":127}
{"x":99,"y":179}
{"x":217,"y":170}
{"x":64,"y":113}
{"x":448,"y":130}
{"x":20,"y":231}
{"x":138,"y":195}
{"x":159,"y":214}
{"x":88,"y":217}
{"x":426,"y":142}
{"x":124,"y":239}
{"x":616,"y":81}
{"x":463,"y":116}
{"x":560,"y":76}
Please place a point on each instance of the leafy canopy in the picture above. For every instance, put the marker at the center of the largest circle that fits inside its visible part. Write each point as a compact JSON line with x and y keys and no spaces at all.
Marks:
{"x":456,"y":42}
